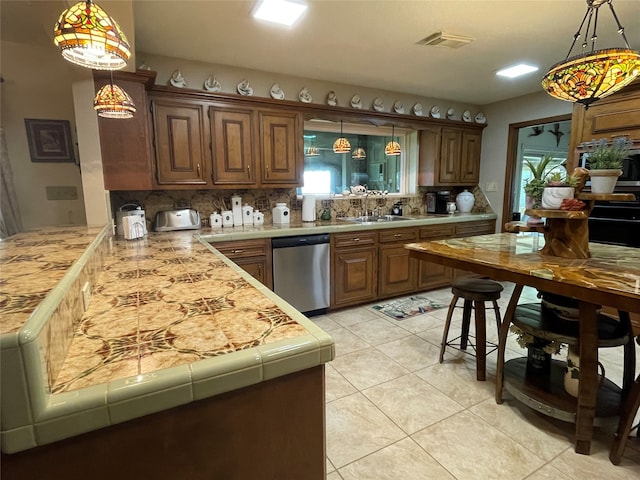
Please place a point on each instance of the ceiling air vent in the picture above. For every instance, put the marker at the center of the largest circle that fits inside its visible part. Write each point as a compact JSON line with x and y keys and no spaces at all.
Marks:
{"x":443,"y":39}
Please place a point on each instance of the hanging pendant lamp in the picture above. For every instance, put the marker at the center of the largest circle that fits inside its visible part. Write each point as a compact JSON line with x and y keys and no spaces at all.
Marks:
{"x":393,"y":148}
{"x":594,"y":74}
{"x":312,"y":151}
{"x":111,"y":101}
{"x":341,"y":145}
{"x":90,"y":37}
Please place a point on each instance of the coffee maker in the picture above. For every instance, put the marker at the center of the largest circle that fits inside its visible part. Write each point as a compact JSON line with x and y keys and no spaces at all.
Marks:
{"x":441,"y":201}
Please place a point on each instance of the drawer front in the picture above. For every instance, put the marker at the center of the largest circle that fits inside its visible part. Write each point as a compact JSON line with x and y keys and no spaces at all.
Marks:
{"x":353,"y":239}
{"x":245,"y":248}
{"x":475,"y":228}
{"x":398,"y":235}
{"x":437,"y":231}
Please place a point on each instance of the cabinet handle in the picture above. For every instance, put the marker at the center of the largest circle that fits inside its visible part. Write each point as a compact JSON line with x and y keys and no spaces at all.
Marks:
{"x":237,"y":251}
{"x":267,"y":168}
{"x":356,"y":239}
{"x":397,"y":234}
{"x":198,"y":169}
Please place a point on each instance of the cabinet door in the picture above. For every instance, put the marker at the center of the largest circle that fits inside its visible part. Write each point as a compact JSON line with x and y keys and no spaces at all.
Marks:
{"x":181,"y":155}
{"x":449,"y":156}
{"x":258,"y":268}
{"x":470,"y":158}
{"x":232,"y":136}
{"x":126,"y":144}
{"x":281,"y":148}
{"x":253,"y":256}
{"x":397,"y":272}
{"x":433,"y":275}
{"x":354,"y":276}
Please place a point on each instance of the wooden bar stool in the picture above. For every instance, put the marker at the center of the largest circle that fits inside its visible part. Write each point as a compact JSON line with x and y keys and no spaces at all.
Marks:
{"x":475,"y":292}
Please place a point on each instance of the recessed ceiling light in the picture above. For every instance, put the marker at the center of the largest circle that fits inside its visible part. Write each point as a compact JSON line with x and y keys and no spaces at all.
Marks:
{"x":284,"y":12}
{"x":516,"y":70}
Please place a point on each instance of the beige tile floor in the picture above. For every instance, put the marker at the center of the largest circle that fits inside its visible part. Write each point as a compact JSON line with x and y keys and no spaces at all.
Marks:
{"x":394,"y":412}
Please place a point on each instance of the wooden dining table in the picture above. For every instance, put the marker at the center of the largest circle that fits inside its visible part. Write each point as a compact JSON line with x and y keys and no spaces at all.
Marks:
{"x":610,"y":276}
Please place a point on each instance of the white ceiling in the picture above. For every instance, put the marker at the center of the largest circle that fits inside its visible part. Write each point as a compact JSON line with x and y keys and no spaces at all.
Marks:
{"x":372,"y":43}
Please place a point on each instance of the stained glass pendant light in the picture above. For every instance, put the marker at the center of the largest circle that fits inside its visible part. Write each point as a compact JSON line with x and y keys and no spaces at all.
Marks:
{"x":341,"y":145}
{"x":111,"y":101}
{"x":90,"y":37}
{"x":393,"y":148}
{"x":594,"y":74}
{"x":359,"y":154}
{"x":312,"y":151}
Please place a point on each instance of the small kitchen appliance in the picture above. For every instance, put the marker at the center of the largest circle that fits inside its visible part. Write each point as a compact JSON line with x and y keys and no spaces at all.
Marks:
{"x":182,"y":219}
{"x":442,"y":198}
{"x":126,"y":210}
{"x":281,"y":213}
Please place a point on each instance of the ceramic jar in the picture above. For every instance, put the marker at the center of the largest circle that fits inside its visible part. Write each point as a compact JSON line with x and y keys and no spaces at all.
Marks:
{"x":465,"y":201}
{"x":215,"y":220}
{"x":552,"y":196}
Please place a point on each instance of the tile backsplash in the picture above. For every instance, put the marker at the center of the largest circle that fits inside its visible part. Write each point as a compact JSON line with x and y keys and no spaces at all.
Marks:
{"x":209,"y":201}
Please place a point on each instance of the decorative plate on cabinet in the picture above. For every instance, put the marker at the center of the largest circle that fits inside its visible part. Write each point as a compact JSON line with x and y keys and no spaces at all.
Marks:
{"x":276,"y":92}
{"x":398,"y":107}
{"x":332,"y":100}
{"x":177,"y":80}
{"x":450,"y":113}
{"x":305,"y":96}
{"x":211,"y":84}
{"x":356,"y":102}
{"x":480,"y":118}
{"x":244,"y":88}
{"x":417,"y":110}
{"x":466,"y":116}
{"x":378,"y":106}
{"x":435,"y":111}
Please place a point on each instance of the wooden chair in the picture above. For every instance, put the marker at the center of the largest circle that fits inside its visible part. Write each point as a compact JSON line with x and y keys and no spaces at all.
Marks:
{"x":475,"y":292}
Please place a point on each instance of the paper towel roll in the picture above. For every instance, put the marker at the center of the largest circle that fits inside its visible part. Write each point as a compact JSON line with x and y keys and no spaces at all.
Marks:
{"x":308,"y":208}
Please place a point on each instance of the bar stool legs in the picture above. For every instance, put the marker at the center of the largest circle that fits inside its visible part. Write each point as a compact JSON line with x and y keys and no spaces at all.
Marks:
{"x":475,"y":292}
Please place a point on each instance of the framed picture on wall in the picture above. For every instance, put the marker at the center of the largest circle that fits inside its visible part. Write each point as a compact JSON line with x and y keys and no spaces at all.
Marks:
{"x":49,"y":140}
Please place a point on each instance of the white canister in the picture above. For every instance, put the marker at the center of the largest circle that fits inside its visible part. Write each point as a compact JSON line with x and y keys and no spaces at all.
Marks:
{"x":227,"y":218}
{"x":258,"y":217}
{"x":247,"y":215}
{"x":281,"y":213}
{"x":465,"y":201}
{"x":236,"y":208}
{"x":215,"y":220}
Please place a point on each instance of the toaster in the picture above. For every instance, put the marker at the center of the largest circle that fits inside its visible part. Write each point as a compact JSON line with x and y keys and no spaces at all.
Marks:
{"x":183,"y":219}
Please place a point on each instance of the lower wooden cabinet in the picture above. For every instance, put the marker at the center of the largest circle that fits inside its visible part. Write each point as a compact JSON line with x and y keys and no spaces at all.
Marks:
{"x":397,"y":271}
{"x":253,"y":256}
{"x":469,"y":229}
{"x":433,"y":275}
{"x":354,"y":265}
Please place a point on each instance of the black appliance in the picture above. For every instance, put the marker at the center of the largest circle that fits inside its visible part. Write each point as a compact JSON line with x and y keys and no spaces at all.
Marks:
{"x":616,"y":223}
{"x":441,"y":201}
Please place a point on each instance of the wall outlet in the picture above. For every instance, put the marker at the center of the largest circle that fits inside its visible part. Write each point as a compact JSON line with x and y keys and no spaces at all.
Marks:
{"x":86,"y":296}
{"x":62,"y":193}
{"x":491,"y":187}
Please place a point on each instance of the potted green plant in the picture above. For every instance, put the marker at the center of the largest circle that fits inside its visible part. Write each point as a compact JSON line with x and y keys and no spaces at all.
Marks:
{"x":534,"y":186}
{"x":557,"y":188}
{"x":605,"y":162}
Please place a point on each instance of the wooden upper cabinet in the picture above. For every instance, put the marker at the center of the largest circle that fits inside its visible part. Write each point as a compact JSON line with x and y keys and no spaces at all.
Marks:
{"x":449,"y":156}
{"x":232,"y":138}
{"x":613,"y":116}
{"x":127,"y":155}
{"x":180,"y":143}
{"x":281,"y":147}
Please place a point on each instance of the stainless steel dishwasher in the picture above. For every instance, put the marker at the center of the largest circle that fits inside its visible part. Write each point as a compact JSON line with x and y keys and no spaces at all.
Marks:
{"x":301,"y":271}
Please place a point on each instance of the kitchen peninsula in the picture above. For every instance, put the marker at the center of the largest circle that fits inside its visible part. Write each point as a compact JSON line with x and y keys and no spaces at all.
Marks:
{"x":182,"y":365}
{"x":610,"y":277}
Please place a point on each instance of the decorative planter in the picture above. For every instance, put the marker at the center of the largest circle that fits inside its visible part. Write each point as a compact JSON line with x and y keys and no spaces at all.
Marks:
{"x":604,"y":181}
{"x":552,"y":196}
{"x":572,"y":374}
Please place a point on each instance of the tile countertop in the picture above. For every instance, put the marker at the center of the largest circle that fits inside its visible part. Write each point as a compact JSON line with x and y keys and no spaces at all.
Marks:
{"x":170,"y":321}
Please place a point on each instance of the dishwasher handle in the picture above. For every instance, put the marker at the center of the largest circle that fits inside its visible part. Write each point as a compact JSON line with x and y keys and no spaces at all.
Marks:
{"x":299,"y":241}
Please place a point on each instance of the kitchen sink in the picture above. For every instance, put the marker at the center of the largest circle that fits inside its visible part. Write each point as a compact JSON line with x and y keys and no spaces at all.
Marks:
{"x":374,"y":219}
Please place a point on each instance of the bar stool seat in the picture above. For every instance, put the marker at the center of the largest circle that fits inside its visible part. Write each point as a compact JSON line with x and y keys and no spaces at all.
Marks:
{"x":475,"y":292}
